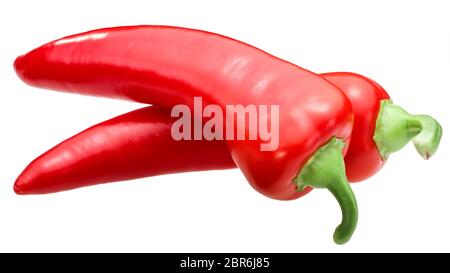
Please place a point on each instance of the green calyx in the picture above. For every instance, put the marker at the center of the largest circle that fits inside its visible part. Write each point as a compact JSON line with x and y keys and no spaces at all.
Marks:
{"x":326,"y":169}
{"x":395,"y":128}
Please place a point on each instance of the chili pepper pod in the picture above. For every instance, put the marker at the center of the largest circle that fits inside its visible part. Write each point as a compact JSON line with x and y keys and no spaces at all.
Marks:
{"x":134,"y":145}
{"x":380,"y":127}
{"x":138,"y":144}
{"x":168,"y":65}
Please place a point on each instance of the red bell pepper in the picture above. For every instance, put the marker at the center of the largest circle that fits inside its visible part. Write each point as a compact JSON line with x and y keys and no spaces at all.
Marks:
{"x":168,"y":65}
{"x":380,"y":127}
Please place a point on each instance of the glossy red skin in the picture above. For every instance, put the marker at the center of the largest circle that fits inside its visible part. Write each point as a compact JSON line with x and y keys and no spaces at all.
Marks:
{"x":362,"y":159}
{"x":134,"y":145}
{"x":168,"y":65}
{"x":138,"y":144}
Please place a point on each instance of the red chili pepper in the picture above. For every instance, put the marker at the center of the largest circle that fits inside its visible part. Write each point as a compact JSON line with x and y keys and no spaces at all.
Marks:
{"x":134,"y":145}
{"x":380,"y":128}
{"x":167,"y":66}
{"x":138,"y":144}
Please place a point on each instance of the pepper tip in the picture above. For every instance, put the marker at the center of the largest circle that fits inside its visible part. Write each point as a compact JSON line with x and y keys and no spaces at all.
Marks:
{"x":17,"y":189}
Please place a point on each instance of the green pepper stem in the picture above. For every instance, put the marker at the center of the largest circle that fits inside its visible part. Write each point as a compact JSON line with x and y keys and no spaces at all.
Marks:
{"x":395,"y":128}
{"x":326,"y":169}
{"x":427,"y":141}
{"x":347,"y":201}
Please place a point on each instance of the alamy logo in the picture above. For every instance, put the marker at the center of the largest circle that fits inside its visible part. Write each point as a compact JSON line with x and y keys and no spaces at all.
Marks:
{"x":239,"y":122}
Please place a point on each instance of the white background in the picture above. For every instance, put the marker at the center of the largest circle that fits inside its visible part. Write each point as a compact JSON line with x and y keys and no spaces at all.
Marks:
{"x":404,"y":45}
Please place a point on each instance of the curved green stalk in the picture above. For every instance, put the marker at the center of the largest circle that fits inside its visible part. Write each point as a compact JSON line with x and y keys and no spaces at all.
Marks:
{"x":427,"y":141}
{"x":326,"y":169}
{"x":395,"y":128}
